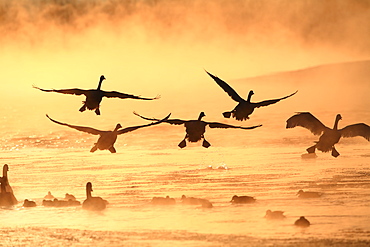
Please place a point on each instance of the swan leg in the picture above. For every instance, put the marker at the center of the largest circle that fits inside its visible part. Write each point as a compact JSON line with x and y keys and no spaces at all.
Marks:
{"x":227,"y":114}
{"x":94,"y":148}
{"x":182,"y":144}
{"x":311,"y":150}
{"x":83,"y":108}
{"x":205,"y":143}
{"x":97,"y":111}
{"x":334,"y":152}
{"x":112,"y":150}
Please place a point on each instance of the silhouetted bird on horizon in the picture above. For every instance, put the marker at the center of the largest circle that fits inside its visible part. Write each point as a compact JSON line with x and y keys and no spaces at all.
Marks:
{"x":107,"y":138}
{"x":94,"y":96}
{"x":245,"y":107}
{"x":93,"y":203}
{"x":195,"y":129}
{"x":329,"y":136}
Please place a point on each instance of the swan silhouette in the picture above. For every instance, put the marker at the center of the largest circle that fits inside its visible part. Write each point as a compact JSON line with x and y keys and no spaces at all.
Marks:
{"x":242,"y":199}
{"x":245,"y":107}
{"x":329,"y":136}
{"x":49,"y":196}
{"x":302,"y":222}
{"x":274,"y":215}
{"x":93,"y":203}
{"x":95,"y":96}
{"x":7,"y":197}
{"x":195,"y":129}
{"x":107,"y":138}
{"x":308,"y":194}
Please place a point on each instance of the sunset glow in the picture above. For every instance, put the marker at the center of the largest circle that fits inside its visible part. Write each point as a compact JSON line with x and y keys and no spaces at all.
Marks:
{"x":163,"y":48}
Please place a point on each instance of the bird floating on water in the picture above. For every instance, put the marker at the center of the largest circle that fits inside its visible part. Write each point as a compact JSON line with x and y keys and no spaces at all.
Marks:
{"x":328,"y":137}
{"x":93,"y":203}
{"x":245,"y":107}
{"x":274,"y":215}
{"x":195,"y":129}
{"x":308,"y":194}
{"x":242,"y":199}
{"x":28,"y":203}
{"x":49,"y":196}
{"x":7,"y":197}
{"x":196,"y":201}
{"x":108,"y":138}
{"x":95,"y":96}
{"x":163,"y":201}
{"x":302,"y":222}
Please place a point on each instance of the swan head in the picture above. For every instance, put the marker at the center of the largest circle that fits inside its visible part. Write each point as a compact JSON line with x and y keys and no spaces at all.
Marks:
{"x":102,"y":78}
{"x":89,"y":186}
{"x":118,"y":126}
{"x":201,"y":115}
{"x":339,"y":117}
{"x":250,"y":94}
{"x":5,"y":170}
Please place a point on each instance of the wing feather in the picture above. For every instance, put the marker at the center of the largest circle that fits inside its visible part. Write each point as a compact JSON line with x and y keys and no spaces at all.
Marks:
{"x":271,"y":101}
{"x":353,"y":130}
{"x":114,"y":94}
{"x":229,"y":90}
{"x":226,"y":126}
{"x":80,"y":128}
{"x":75,"y":91}
{"x":128,"y":129}
{"x":170,"y":121}
{"x":308,"y":121}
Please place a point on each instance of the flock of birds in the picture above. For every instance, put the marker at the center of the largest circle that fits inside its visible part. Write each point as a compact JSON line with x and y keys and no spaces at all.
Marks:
{"x":7,"y":199}
{"x":195,"y":130}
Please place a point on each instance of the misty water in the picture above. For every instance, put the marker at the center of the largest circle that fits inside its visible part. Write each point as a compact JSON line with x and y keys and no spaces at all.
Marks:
{"x":262,"y":163}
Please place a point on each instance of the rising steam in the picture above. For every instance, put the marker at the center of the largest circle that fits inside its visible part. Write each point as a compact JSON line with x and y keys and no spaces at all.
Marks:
{"x":341,"y":24}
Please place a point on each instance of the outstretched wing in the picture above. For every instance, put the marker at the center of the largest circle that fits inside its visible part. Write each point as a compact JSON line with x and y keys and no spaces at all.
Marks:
{"x":128,"y":129}
{"x":271,"y":101}
{"x":114,"y":94}
{"x":80,"y":128}
{"x":226,"y":126}
{"x":74,"y":91}
{"x":308,"y":121}
{"x":170,"y":121}
{"x":229,"y":90}
{"x":353,"y":130}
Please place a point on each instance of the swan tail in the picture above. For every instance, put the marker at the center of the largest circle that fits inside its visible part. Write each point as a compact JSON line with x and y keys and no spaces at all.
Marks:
{"x":112,"y":150}
{"x":97,"y":111}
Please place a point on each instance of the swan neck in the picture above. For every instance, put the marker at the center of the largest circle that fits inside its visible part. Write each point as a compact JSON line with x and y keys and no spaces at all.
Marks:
{"x":88,"y":193}
{"x":5,"y":171}
{"x":99,"y":85}
{"x":249,"y":97}
{"x":336,"y":124}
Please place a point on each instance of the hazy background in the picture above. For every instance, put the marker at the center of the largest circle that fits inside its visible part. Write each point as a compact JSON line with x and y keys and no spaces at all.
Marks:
{"x":162,"y":47}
